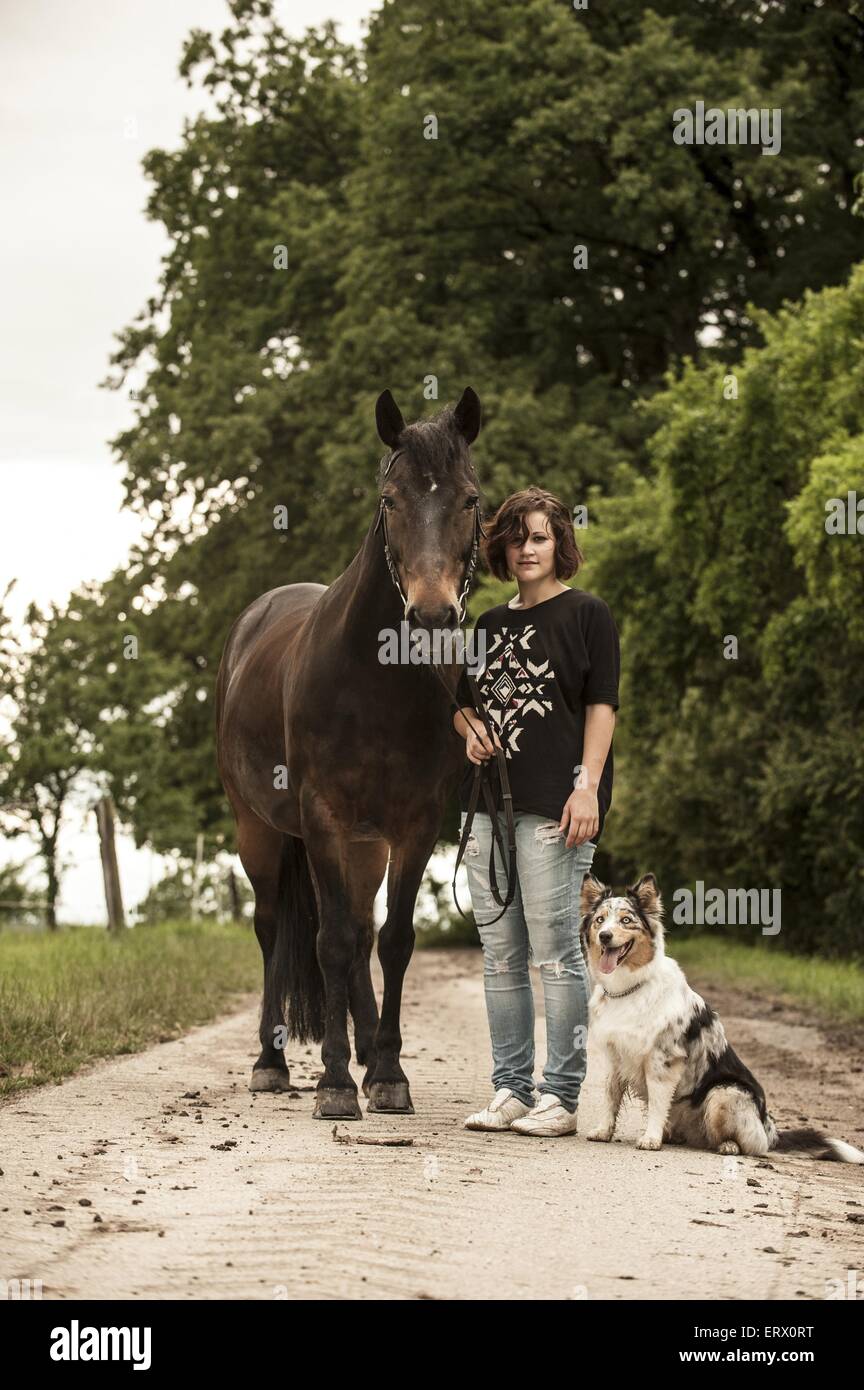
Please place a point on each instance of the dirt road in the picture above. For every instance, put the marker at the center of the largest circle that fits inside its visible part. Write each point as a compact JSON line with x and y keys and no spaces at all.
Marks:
{"x":160,"y":1176}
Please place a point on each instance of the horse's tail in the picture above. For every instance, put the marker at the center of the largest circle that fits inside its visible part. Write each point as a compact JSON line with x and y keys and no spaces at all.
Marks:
{"x":296,"y":983}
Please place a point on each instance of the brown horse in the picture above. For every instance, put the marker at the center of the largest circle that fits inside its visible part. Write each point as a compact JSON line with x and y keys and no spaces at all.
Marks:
{"x":332,"y":759}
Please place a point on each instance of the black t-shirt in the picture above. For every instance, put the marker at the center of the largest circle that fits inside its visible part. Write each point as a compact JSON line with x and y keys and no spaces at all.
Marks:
{"x":543,"y":665}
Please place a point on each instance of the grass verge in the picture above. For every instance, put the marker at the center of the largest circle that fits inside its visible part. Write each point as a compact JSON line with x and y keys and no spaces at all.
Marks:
{"x":71,"y":996}
{"x":831,"y":989}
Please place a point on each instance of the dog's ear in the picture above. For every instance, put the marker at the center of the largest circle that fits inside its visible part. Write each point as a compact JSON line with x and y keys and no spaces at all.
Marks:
{"x":592,"y":892}
{"x":647,"y":894}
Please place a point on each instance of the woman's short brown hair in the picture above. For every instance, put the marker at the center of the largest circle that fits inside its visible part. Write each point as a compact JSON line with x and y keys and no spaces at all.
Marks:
{"x":508,"y":526}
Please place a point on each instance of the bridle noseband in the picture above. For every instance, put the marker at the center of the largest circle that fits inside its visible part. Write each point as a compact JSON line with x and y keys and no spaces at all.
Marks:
{"x":481,"y":779}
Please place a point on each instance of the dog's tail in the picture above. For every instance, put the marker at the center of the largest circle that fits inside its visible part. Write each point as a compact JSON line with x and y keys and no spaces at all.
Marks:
{"x":813,"y":1143}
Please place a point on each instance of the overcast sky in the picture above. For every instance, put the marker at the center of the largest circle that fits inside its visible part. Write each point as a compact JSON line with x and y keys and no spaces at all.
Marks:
{"x":86,"y":88}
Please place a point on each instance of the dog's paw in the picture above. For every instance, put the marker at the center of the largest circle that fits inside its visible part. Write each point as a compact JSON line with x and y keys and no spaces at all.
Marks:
{"x":648,"y":1141}
{"x":728,"y":1147}
{"x":601,"y":1135}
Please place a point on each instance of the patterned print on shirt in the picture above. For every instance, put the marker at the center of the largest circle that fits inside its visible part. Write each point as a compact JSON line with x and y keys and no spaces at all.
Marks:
{"x":515,"y":683}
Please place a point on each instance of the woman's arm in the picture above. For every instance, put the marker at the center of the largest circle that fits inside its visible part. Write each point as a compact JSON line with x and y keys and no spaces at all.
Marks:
{"x":581,"y":816}
{"x":461,"y":718}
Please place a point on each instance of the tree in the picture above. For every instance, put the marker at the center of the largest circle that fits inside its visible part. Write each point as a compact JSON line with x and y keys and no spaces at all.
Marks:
{"x":49,"y":746}
{"x":90,"y":703}
{"x":18,"y":902}
{"x":322,"y":246}
{"x":748,"y":770}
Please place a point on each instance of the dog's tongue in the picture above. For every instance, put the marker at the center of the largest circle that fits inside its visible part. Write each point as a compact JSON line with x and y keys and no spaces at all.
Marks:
{"x":609,"y":959}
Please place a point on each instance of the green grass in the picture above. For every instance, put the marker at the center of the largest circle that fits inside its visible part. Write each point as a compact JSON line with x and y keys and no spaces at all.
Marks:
{"x":833,"y":990}
{"x":71,"y":996}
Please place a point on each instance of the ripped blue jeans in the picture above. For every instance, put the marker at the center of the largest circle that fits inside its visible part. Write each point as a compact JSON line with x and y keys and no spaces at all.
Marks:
{"x":541,"y":924}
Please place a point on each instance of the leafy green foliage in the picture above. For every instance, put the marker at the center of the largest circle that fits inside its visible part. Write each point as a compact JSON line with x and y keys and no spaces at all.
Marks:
{"x":321,"y":247}
{"x":748,"y":771}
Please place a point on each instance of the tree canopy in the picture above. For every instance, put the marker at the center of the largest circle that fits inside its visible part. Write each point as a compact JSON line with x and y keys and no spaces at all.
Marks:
{"x":492,"y":195}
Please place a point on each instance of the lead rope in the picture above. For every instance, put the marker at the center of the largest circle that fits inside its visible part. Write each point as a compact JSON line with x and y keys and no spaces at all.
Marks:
{"x":481,"y":782}
{"x":482,"y":771}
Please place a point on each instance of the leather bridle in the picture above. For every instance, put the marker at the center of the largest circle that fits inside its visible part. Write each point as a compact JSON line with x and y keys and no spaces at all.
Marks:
{"x":481,"y":780}
{"x":381,"y":524}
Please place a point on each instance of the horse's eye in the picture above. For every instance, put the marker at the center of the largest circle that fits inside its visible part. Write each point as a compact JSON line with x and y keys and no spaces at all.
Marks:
{"x":388,"y":501}
{"x":471,"y":502}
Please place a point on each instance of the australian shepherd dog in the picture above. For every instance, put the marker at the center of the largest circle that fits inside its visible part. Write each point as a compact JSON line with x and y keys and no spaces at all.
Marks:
{"x":665,"y":1045}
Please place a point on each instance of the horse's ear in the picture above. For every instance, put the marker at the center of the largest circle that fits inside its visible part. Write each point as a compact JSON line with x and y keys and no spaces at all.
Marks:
{"x":467,"y":415}
{"x":388,"y":418}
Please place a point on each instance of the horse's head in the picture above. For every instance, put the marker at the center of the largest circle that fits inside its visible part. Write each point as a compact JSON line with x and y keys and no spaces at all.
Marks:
{"x":429,"y":500}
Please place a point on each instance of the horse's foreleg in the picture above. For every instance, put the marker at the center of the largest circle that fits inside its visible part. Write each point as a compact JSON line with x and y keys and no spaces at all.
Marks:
{"x":343,"y":914}
{"x":362,"y":1002}
{"x":368,"y":866}
{"x":388,"y":1084}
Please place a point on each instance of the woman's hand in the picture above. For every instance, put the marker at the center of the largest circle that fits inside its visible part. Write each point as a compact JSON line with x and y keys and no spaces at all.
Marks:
{"x":580,"y":817}
{"x":469,"y":726}
{"x":478,"y":745}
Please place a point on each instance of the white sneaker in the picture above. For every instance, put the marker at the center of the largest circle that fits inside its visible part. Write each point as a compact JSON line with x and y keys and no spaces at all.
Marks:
{"x":500,"y":1113}
{"x":547,"y":1118}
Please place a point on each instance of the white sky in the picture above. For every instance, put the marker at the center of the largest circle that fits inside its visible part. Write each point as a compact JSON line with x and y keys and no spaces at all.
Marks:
{"x":86,"y":88}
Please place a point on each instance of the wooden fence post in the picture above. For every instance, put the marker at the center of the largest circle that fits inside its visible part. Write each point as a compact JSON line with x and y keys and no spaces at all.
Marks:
{"x":113,"y":897}
{"x":196,"y":879}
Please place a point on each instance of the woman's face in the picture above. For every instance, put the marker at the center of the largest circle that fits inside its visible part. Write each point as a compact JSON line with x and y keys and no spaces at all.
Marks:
{"x":533,"y":558}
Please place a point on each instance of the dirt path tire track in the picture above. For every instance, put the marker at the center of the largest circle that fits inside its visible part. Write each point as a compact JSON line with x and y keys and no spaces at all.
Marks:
{"x":228,"y":1195}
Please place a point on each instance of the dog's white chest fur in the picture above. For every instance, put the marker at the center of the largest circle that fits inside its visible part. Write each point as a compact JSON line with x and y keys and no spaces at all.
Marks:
{"x":631,"y":1025}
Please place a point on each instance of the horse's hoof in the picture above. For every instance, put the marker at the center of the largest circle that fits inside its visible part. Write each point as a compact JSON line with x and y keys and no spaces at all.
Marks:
{"x":270,"y":1079}
{"x":390,"y":1097}
{"x":336,"y":1103}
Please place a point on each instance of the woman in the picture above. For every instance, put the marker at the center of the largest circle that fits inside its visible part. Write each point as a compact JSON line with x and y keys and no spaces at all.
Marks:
{"x":550,"y":685}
